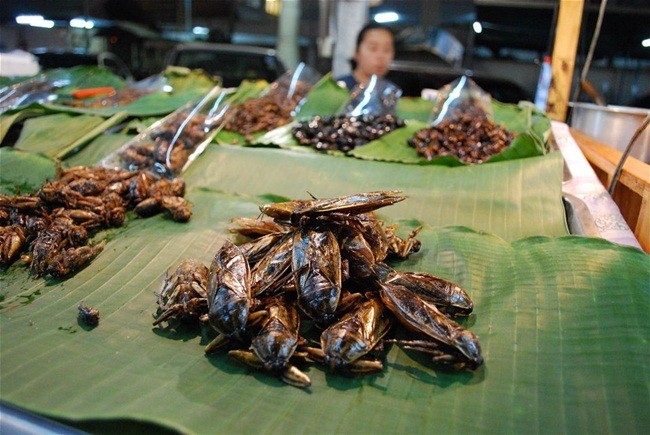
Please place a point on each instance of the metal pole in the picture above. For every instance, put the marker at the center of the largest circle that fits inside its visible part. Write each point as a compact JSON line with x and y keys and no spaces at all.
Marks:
{"x":187,"y":15}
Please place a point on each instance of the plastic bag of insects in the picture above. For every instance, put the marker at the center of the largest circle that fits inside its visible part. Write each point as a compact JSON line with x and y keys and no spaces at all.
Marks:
{"x":461,"y":97}
{"x":293,"y":86}
{"x":368,"y":115}
{"x":170,"y":144}
{"x":378,"y":97}
{"x":108,"y":97}
{"x":277,"y":105}
{"x":461,"y":126}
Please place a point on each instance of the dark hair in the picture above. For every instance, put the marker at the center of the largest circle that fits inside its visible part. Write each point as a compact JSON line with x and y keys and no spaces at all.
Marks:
{"x":372,"y":26}
{"x":362,"y":35}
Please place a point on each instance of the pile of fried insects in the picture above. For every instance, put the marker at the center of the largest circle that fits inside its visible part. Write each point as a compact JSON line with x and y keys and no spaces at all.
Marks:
{"x":319,"y":261}
{"x":51,"y":229}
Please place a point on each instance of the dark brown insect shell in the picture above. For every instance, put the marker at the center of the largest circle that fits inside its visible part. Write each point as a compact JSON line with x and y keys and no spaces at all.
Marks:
{"x":88,"y":315}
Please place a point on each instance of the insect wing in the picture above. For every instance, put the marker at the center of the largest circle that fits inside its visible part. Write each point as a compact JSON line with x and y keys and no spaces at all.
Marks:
{"x":230,"y":294}
{"x":316,"y":265}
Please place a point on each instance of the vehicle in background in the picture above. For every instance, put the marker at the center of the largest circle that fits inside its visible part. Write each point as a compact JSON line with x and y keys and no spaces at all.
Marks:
{"x":56,"y":58}
{"x":232,"y":62}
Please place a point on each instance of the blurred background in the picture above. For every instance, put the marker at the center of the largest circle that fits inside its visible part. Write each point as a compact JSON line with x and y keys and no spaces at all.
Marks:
{"x":502,"y":43}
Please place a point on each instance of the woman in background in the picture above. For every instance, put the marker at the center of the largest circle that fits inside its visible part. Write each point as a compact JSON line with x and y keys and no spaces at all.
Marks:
{"x":374,"y":52}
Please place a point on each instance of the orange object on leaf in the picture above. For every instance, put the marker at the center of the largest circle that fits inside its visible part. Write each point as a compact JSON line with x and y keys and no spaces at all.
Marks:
{"x":92,"y":92}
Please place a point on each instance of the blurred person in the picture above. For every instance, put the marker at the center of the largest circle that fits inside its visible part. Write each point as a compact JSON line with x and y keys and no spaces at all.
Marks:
{"x":375,"y":50}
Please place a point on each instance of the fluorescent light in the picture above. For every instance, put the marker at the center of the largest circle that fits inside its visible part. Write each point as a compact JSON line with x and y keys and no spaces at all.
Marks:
{"x":46,"y":24}
{"x":386,"y":17}
{"x":477,"y":27}
{"x":28,"y":19}
{"x":80,"y":23}
{"x":35,"y":20}
{"x":646,"y":42}
{"x":198,"y":30}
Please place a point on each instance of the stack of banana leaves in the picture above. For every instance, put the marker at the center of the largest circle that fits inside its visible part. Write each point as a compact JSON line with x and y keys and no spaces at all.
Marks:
{"x":562,"y":319}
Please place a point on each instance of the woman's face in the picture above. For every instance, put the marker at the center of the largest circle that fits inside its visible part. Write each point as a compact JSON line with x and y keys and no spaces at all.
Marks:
{"x":375,"y":53}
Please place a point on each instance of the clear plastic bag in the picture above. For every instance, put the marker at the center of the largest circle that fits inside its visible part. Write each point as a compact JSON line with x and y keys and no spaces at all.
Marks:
{"x":170,"y":144}
{"x":462,"y":96}
{"x":39,"y":89}
{"x":293,"y":86}
{"x":378,"y":97}
{"x":277,"y":105}
{"x":126,"y":95}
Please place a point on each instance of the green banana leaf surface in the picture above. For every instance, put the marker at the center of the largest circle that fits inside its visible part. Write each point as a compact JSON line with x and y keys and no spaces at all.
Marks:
{"x":562,"y":324}
{"x":99,"y":148}
{"x":23,"y":172}
{"x":512,"y":199}
{"x":7,"y":120}
{"x":60,"y":135}
{"x":186,"y":85}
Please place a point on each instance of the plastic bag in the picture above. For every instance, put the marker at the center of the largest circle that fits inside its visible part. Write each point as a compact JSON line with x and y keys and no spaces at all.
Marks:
{"x":368,"y":115}
{"x":170,"y":144}
{"x":378,"y":97}
{"x":38,"y":89}
{"x":293,"y":86}
{"x":126,"y":95}
{"x":277,"y":105}
{"x":462,"y":96}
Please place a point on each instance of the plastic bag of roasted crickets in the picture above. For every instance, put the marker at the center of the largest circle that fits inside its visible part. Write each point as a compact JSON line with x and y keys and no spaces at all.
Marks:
{"x":378,"y":97}
{"x":366,"y":116}
{"x":276,"y":106}
{"x":170,"y":144}
{"x":461,"y":97}
{"x":293,"y":86}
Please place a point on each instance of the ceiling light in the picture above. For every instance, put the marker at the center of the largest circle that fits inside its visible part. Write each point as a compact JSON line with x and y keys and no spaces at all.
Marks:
{"x":198,"y":30}
{"x":386,"y":17}
{"x":47,"y":24}
{"x":477,"y":27}
{"x":80,"y":23}
{"x":35,"y":21}
{"x":646,"y":42}
{"x":29,"y":19}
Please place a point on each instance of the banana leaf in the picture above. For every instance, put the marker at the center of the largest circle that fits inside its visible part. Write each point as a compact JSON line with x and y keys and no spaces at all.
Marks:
{"x":61,"y":135}
{"x":59,"y":82}
{"x":157,"y":103}
{"x":562,"y":324}
{"x":512,"y":199}
{"x":99,"y":148}
{"x":394,"y":147}
{"x":22,"y":172}
{"x":187,"y":85}
{"x":82,"y":77}
{"x":7,"y":120}
{"x":414,"y":108}
{"x":325,"y":98}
